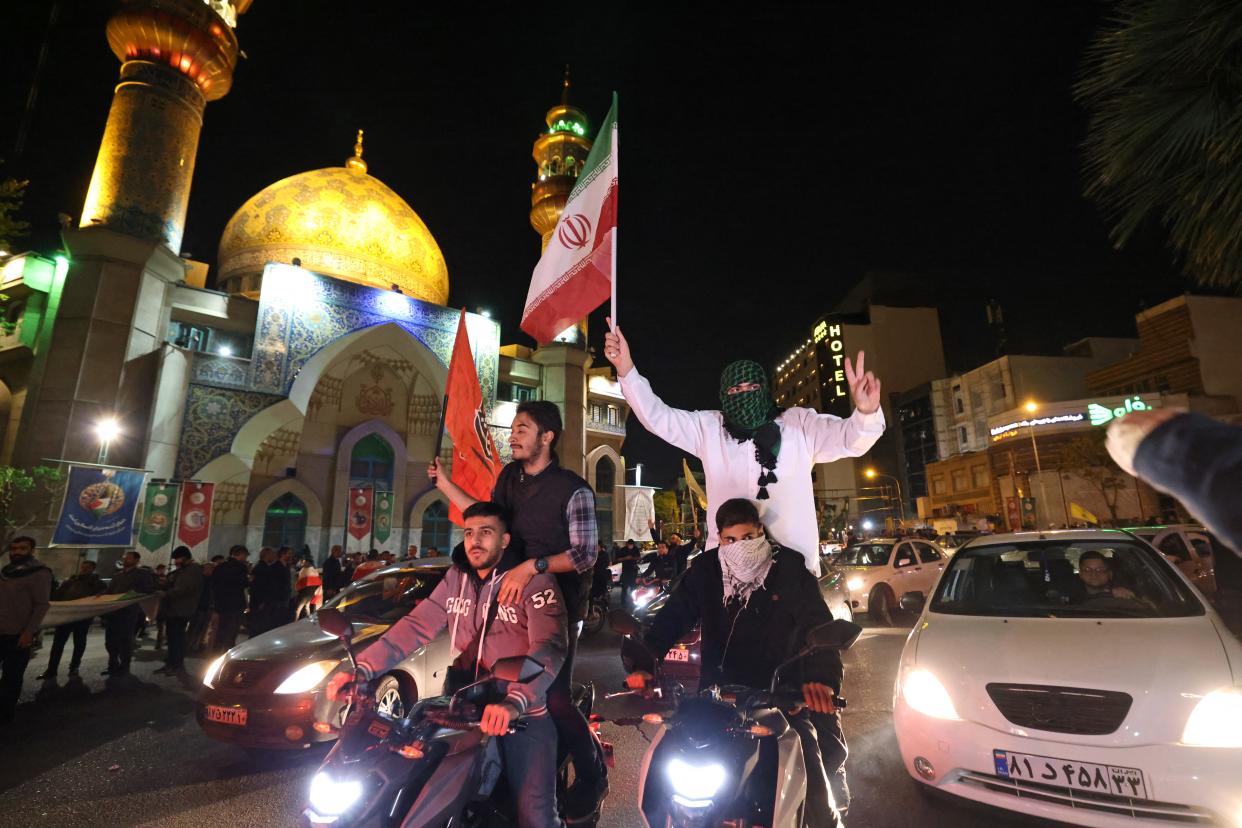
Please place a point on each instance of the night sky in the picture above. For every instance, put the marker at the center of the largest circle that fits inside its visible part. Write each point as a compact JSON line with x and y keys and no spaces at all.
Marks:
{"x":770,"y":157}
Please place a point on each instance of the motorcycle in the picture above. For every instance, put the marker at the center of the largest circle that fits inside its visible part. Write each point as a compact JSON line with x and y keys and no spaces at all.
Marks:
{"x":431,"y":767}
{"x":727,"y":756}
{"x":597,"y":612}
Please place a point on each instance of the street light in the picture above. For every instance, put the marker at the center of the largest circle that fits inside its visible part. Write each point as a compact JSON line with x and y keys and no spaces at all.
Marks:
{"x":1031,"y":408}
{"x":107,"y":430}
{"x":872,"y":474}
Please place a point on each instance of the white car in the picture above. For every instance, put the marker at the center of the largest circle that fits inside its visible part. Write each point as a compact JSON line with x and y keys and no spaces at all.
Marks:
{"x":1188,"y":547}
{"x":878,"y":572}
{"x":1073,"y":676}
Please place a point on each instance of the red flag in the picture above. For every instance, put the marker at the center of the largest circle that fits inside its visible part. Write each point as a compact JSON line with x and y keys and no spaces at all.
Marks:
{"x":475,"y":460}
{"x":358,"y":532}
{"x":194,"y":524}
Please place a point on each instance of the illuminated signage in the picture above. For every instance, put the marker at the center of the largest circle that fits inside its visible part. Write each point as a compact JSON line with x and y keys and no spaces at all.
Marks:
{"x":836,"y":383}
{"x":1095,"y":414}
{"x":1100,"y":414}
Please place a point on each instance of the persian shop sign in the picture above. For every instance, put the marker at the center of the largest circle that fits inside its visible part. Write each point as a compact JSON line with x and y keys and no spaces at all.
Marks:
{"x":836,"y":351}
{"x":1095,"y":414}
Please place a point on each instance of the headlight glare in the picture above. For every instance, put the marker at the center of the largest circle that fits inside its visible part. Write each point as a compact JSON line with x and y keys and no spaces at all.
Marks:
{"x":924,"y":693}
{"x":1216,"y":720}
{"x":695,"y":784}
{"x":307,"y":678}
{"x":854,"y":583}
{"x":332,"y":798}
{"x":213,"y":671}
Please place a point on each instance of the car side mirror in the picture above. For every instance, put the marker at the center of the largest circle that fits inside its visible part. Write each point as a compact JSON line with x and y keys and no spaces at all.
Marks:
{"x":912,"y":602}
{"x":334,"y":623}
{"x":624,"y":623}
{"x":833,"y":635}
{"x":517,"y":669}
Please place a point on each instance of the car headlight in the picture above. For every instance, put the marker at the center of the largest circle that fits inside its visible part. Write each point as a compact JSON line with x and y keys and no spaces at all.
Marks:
{"x":924,"y":693}
{"x":330,"y":797}
{"x":307,"y":678}
{"x":213,"y":671}
{"x":854,"y":583}
{"x":694,"y":785}
{"x":1216,"y":720}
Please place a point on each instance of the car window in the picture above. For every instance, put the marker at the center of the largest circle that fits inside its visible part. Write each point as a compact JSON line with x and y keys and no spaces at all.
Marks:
{"x":1124,"y":579}
{"x":928,"y":553}
{"x":1173,"y":545}
{"x":866,"y":554}
{"x":1202,"y":545}
{"x":905,"y":556}
{"x":384,"y":600}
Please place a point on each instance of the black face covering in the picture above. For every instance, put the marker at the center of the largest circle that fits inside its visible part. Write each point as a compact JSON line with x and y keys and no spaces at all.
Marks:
{"x":750,"y":415}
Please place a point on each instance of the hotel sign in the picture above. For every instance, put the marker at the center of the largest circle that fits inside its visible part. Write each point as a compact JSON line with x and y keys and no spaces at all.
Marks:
{"x":835,"y":385}
{"x":1087,"y":413}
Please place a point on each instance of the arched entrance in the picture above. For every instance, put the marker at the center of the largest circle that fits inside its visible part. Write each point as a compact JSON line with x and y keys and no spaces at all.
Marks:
{"x":437,"y":529}
{"x":284,"y":522}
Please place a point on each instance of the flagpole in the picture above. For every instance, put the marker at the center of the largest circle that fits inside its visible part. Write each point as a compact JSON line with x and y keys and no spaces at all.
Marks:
{"x":439,"y":445}
{"x":616,"y":171}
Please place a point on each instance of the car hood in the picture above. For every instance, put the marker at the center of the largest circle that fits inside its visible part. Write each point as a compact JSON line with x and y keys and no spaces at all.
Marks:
{"x":1164,"y":664}
{"x":301,"y":640}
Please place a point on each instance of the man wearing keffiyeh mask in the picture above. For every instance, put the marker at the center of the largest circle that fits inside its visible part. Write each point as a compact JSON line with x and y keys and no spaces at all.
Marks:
{"x":755,"y":602}
{"x":750,"y":448}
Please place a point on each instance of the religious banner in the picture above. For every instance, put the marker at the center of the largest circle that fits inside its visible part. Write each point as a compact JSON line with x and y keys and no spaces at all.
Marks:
{"x":80,"y":609}
{"x":155,"y":532}
{"x":476,"y":463}
{"x":639,"y":511}
{"x":99,"y":506}
{"x":358,"y":518}
{"x":194,"y":522}
{"x":382,"y":526}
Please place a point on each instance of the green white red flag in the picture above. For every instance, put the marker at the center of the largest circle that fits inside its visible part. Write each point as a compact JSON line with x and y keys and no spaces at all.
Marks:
{"x":577,"y":271}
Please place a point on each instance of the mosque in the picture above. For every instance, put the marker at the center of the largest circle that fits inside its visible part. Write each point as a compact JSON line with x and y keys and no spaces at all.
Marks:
{"x":319,"y":361}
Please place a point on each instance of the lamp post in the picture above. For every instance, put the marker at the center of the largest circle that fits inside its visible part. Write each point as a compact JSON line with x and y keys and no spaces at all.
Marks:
{"x":1031,"y":408}
{"x":872,"y":474}
{"x":107,"y":430}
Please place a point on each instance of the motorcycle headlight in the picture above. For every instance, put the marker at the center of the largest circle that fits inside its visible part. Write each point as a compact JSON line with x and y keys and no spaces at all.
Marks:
{"x":694,"y":785}
{"x":1216,"y":720}
{"x":642,"y":597}
{"x":331,"y":797}
{"x":307,"y":678}
{"x":924,"y":693}
{"x":854,"y":584}
{"x":213,"y":671}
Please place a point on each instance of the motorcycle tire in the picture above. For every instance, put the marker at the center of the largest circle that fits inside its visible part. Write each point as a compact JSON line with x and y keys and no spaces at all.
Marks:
{"x":597,"y":617}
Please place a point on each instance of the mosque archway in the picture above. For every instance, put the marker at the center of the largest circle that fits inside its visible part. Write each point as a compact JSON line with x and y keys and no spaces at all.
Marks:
{"x":284,"y":522}
{"x":437,"y":528}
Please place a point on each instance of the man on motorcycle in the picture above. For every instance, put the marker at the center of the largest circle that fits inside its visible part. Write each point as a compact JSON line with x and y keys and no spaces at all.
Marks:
{"x":485,"y":628}
{"x":755,"y":602}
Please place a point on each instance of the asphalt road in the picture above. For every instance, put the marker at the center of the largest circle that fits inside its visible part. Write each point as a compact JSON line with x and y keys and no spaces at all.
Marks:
{"x":129,"y":753}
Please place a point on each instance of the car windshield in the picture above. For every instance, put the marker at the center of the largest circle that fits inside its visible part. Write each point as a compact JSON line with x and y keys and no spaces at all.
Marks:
{"x":385,"y":599}
{"x":866,"y":554}
{"x":1105,"y":578}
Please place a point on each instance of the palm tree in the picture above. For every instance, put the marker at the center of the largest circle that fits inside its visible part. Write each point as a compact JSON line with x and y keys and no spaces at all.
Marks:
{"x":1162,"y":83}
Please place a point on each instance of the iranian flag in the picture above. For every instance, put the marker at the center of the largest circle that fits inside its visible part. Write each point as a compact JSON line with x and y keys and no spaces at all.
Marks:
{"x":578,"y":268}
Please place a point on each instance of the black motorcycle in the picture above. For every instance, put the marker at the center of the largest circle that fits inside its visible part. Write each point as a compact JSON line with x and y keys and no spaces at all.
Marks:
{"x":728,"y":755}
{"x":431,"y":767}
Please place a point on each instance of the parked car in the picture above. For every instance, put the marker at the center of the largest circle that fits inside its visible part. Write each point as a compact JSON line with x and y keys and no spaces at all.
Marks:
{"x":1188,"y":547}
{"x":267,"y":691}
{"x":879,"y":571}
{"x":1095,"y":689}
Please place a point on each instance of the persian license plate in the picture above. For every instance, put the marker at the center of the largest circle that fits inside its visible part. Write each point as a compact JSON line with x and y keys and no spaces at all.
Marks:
{"x":1081,"y":776}
{"x":227,"y":715}
{"x":677,"y":654}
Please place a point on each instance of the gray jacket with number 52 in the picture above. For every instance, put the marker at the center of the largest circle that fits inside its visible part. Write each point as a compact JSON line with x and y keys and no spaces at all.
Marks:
{"x":535,"y":627}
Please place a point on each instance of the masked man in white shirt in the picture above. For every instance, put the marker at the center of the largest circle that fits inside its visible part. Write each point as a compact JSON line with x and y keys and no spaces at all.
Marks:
{"x":750,"y":448}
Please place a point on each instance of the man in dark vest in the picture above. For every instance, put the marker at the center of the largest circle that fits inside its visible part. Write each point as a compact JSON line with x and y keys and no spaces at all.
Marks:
{"x":553,"y":520}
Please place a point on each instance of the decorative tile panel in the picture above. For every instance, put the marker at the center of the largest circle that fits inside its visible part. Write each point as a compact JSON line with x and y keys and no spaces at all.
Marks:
{"x":213,"y":416}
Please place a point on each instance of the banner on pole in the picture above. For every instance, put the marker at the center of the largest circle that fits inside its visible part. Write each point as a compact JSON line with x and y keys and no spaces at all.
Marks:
{"x":99,"y":506}
{"x":382,"y":524}
{"x":476,"y":463}
{"x":639,"y":510}
{"x":358,"y":529}
{"x":155,"y":531}
{"x":194,"y":521}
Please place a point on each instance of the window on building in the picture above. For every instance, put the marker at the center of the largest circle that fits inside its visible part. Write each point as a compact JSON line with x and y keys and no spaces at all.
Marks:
{"x":612,"y":415}
{"x":960,"y":481}
{"x":597,"y":413}
{"x":958,"y":405}
{"x":437,"y":528}
{"x":370,"y":463}
{"x":937,"y":482}
{"x":963,"y":438}
{"x":284,"y":523}
{"x":513,"y":392}
{"x":979,"y":476}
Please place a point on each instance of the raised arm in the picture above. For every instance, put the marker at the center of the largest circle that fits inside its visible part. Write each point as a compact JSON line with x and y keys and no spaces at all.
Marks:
{"x":831,"y":438}
{"x":683,"y":429}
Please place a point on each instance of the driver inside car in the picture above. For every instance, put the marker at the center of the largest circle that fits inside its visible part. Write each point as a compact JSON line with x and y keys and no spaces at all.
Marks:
{"x":482,"y":631}
{"x":755,"y":602}
{"x":1095,"y":579}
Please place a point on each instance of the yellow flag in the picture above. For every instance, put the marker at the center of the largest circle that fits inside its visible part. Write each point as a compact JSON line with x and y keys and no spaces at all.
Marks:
{"x":1079,"y":513}
{"x":693,"y":483}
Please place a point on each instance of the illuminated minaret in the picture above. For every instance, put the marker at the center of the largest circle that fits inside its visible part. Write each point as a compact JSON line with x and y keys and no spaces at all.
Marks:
{"x":176,"y":55}
{"x":559,"y":155}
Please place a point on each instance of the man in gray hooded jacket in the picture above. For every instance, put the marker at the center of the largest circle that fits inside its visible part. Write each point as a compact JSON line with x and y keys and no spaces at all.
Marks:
{"x":25,"y":593}
{"x":481,"y":632}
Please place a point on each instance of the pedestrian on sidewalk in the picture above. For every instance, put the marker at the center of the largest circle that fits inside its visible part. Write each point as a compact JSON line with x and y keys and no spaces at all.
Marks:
{"x":121,"y":626}
{"x":334,"y":577}
{"x":25,"y":592}
{"x":198,"y":637}
{"x":228,"y":588}
{"x":180,"y":602}
{"x":86,"y":584}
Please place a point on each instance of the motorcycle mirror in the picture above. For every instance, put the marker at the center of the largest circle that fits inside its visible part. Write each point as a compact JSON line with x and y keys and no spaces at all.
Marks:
{"x":518,"y":669}
{"x":622,"y":622}
{"x":834,"y":635}
{"x":334,"y":623}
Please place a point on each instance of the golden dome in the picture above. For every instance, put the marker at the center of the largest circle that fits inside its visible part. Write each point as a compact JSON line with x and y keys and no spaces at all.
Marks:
{"x":339,"y":221}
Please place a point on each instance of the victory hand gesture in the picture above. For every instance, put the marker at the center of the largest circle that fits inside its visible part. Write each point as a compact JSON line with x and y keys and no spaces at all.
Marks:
{"x":864,"y":387}
{"x":617,"y":350}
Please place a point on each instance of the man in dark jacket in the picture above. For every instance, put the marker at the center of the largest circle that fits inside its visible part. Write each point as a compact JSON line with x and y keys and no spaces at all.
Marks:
{"x":663,"y":566}
{"x":334,"y":578}
{"x":180,"y":602}
{"x":628,"y":556}
{"x":121,"y":625}
{"x":756,"y":601}
{"x":228,"y":588}
{"x":85,"y":584}
{"x":25,"y":591}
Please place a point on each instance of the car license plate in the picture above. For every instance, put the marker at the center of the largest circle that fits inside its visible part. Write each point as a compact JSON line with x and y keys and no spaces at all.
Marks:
{"x":1081,"y":776}
{"x":227,"y":715}
{"x":677,"y":654}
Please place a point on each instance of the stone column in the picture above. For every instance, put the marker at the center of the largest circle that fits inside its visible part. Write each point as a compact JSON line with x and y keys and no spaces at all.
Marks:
{"x":565,"y":383}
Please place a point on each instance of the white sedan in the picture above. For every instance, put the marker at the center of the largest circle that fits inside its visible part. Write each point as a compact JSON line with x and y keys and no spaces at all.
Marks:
{"x":1073,"y":676}
{"x":878,"y":572}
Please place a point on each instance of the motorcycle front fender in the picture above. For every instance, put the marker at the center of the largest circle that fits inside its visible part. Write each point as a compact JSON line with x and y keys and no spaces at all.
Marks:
{"x":450,"y":789}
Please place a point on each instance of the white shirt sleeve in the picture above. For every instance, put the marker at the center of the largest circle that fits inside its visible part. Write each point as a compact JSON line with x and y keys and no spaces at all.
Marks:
{"x":683,"y":429}
{"x":831,"y":438}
